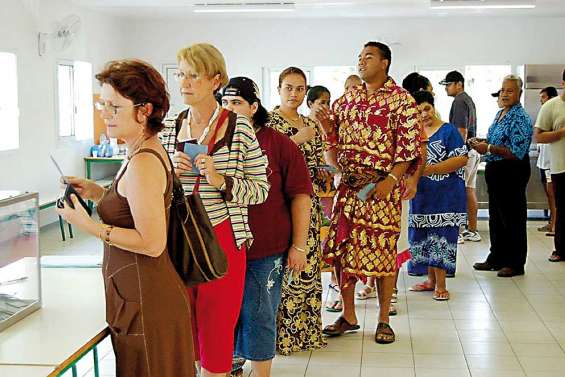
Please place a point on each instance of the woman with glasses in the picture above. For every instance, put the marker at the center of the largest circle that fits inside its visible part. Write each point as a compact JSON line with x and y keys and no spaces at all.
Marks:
{"x":147,"y":340}
{"x":277,"y":224}
{"x":299,"y":321}
{"x":231,"y":176}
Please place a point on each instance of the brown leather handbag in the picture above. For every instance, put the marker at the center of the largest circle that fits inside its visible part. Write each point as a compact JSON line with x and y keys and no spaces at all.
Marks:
{"x":193,"y":247}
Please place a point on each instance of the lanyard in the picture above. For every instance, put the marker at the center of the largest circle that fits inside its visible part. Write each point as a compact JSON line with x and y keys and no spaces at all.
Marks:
{"x":207,"y":129}
{"x":211,"y":144}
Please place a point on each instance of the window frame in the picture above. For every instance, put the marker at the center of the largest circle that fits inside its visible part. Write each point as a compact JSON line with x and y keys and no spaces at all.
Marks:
{"x":167,"y":71}
{"x":74,"y":137}
{"x":71,"y":137}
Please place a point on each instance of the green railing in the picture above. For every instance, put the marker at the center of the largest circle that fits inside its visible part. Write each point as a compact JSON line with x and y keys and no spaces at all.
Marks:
{"x":71,"y":362}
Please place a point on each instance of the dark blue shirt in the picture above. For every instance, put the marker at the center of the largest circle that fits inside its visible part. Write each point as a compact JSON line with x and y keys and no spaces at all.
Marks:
{"x":513,"y":131}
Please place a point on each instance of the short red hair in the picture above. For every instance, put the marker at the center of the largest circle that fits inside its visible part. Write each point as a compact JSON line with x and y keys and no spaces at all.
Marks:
{"x":141,"y":83}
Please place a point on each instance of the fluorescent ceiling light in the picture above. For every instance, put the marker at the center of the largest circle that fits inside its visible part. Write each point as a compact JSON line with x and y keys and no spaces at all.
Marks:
{"x":482,"y":4}
{"x":243,"y":7}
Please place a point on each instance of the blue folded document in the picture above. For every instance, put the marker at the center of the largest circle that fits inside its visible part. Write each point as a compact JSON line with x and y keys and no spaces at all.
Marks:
{"x":193,"y":150}
{"x":363,"y":194}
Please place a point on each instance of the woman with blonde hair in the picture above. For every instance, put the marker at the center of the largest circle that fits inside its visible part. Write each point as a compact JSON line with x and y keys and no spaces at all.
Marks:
{"x":231,"y":176}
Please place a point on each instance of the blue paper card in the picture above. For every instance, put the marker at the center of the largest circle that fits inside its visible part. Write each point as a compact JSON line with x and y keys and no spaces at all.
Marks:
{"x":193,"y":150}
{"x":363,"y":194}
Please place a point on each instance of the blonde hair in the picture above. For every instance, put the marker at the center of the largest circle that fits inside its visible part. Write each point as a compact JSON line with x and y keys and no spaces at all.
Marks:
{"x":205,"y":59}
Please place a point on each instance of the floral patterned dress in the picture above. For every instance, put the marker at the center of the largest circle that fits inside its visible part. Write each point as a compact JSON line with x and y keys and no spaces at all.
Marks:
{"x":299,"y":321}
{"x":439,"y":207}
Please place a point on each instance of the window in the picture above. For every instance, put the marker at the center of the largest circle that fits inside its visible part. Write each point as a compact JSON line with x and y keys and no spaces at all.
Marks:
{"x":75,"y":100}
{"x":176,"y":101}
{"x":480,"y":82}
{"x":9,"y":111}
{"x":441,"y":99}
{"x":332,"y":77}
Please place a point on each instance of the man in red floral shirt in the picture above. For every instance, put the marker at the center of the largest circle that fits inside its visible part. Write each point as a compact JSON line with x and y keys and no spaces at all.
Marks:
{"x":374,"y":136}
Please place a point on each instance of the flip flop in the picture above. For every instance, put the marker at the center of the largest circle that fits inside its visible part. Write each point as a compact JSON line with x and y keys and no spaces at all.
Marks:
{"x":335,"y":307}
{"x":421,"y":287}
{"x":339,"y":327}
{"x":334,"y":287}
{"x":441,"y":296}
{"x":384,"y":334}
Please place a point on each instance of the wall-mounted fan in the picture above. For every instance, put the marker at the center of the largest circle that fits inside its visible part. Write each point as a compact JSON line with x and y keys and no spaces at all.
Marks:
{"x":63,"y":35}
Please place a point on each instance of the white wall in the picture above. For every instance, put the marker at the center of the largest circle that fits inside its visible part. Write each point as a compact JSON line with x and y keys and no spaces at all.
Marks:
{"x":250,"y":44}
{"x":101,"y":38}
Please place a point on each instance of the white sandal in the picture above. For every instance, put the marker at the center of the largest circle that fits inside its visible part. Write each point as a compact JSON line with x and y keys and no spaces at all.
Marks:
{"x":366,"y":293}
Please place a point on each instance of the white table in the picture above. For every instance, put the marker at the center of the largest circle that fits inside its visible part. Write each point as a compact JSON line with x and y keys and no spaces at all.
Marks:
{"x":71,"y":316}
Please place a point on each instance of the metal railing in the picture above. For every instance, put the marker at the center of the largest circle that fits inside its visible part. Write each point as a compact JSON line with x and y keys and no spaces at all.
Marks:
{"x":71,"y":362}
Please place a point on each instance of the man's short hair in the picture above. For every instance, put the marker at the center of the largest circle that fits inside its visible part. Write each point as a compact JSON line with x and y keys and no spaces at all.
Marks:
{"x":384,"y":50}
{"x":550,"y":91}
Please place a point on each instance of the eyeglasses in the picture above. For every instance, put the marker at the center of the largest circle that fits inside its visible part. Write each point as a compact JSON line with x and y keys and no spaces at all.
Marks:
{"x":112,"y":109}
{"x":179,"y":76}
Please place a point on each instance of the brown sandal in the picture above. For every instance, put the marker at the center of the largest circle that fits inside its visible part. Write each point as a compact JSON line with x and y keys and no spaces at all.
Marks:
{"x":339,"y":327}
{"x":384,"y":334}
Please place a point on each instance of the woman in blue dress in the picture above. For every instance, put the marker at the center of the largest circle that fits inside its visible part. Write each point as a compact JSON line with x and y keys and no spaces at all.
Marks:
{"x":439,"y":207}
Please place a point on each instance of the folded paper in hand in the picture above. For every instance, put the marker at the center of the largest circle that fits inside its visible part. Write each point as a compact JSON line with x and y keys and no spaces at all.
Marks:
{"x":193,"y":150}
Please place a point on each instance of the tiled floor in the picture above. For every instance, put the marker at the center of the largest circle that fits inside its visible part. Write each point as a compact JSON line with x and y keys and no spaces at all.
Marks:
{"x":491,"y":327}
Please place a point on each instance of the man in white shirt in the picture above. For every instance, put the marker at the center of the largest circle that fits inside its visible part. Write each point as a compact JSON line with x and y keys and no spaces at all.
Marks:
{"x":550,"y":129}
{"x":543,"y":164}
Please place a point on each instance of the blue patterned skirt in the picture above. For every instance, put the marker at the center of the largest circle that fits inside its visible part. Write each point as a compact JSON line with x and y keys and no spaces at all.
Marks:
{"x":433,"y":247}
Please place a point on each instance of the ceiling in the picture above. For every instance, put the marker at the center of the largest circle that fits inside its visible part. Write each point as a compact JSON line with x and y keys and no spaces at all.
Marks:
{"x":182,"y":9}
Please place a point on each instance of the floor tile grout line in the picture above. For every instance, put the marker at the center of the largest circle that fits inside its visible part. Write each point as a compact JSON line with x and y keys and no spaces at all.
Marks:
{"x":496,"y":318}
{"x":458,"y":336}
{"x":308,"y":363}
{"x":537,"y":314}
{"x":363,"y":338}
{"x":404,"y":277}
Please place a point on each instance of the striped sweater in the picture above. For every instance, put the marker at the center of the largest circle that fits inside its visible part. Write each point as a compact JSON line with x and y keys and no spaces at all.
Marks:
{"x":238,"y":157}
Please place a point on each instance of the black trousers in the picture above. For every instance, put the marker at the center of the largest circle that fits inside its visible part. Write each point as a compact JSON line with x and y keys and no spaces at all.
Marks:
{"x":558,"y":181}
{"x":506,"y":183}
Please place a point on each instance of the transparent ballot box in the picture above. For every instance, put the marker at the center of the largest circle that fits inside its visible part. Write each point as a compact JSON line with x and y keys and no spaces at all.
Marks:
{"x":20,"y":290}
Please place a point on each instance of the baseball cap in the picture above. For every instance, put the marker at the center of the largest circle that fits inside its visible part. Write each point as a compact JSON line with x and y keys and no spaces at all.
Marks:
{"x":242,"y":87}
{"x":496,"y":94}
{"x":452,"y":76}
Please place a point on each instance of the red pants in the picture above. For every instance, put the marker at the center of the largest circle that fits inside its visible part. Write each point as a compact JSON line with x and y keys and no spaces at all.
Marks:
{"x":216,"y":305}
